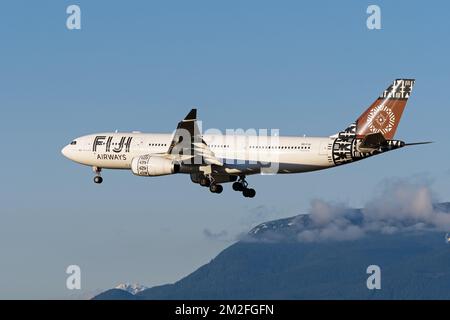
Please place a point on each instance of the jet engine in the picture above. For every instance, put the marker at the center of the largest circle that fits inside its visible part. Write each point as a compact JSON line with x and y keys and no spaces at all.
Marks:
{"x":148,"y":165}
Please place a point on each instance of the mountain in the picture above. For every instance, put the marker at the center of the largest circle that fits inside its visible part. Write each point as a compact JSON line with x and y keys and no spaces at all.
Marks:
{"x":123,"y":291}
{"x":115,"y":294}
{"x":277,"y":261}
{"x":131,"y":288}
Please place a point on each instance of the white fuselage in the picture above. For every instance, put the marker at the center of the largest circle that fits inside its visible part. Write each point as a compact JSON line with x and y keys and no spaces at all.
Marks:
{"x":213,"y":159}
{"x":241,"y":154}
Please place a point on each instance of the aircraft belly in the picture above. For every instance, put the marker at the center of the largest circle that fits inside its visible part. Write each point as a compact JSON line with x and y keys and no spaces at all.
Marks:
{"x":283,"y":163}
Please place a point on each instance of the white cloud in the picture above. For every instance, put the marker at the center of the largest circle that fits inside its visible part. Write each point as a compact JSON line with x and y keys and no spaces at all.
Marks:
{"x":401,"y":206}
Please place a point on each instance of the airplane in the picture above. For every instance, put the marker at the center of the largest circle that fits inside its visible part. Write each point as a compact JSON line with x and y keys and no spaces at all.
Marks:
{"x":215,"y":159}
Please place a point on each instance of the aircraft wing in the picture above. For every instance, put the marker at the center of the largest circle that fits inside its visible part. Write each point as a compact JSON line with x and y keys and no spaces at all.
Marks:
{"x":188,"y":145}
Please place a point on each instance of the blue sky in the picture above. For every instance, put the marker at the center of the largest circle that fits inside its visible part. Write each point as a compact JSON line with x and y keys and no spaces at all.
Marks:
{"x":301,"y":67}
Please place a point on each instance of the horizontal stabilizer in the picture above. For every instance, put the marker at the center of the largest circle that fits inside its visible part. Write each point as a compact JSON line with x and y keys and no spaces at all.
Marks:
{"x":418,"y":143}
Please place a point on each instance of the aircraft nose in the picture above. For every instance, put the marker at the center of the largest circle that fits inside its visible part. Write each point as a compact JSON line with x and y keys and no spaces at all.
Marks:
{"x":65,"y":151}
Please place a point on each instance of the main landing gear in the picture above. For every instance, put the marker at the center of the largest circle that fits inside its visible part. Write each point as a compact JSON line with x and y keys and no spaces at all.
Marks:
{"x":97,"y":179}
{"x":215,"y":188}
{"x":211,"y":184}
{"x":242,"y":186}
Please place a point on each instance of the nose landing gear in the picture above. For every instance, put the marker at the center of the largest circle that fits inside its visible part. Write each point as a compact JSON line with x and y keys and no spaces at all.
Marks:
{"x":97,"y":179}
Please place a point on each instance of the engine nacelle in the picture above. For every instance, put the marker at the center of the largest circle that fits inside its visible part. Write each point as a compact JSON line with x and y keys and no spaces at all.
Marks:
{"x":148,"y":165}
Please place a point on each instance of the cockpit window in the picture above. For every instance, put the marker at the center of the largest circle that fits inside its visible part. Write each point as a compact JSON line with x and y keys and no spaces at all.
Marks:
{"x":73,"y":143}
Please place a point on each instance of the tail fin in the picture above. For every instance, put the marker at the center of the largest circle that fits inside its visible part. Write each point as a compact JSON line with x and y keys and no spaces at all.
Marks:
{"x":383,"y":116}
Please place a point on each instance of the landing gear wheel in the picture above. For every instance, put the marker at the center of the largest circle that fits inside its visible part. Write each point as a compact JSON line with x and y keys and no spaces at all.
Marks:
{"x":238,"y":186}
{"x":249,"y":193}
{"x":242,"y":185}
{"x":204,"y":182}
{"x":216,"y":188}
{"x":98,"y":179}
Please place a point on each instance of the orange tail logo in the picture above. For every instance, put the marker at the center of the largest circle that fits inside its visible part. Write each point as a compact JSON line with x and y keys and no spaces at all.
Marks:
{"x":385,"y":113}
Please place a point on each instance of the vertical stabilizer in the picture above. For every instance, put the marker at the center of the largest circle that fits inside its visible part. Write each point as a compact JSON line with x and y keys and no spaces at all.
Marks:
{"x":384,"y":115}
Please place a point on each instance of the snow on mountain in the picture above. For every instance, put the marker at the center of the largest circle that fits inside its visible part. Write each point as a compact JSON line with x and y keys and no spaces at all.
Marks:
{"x":131,"y":288}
